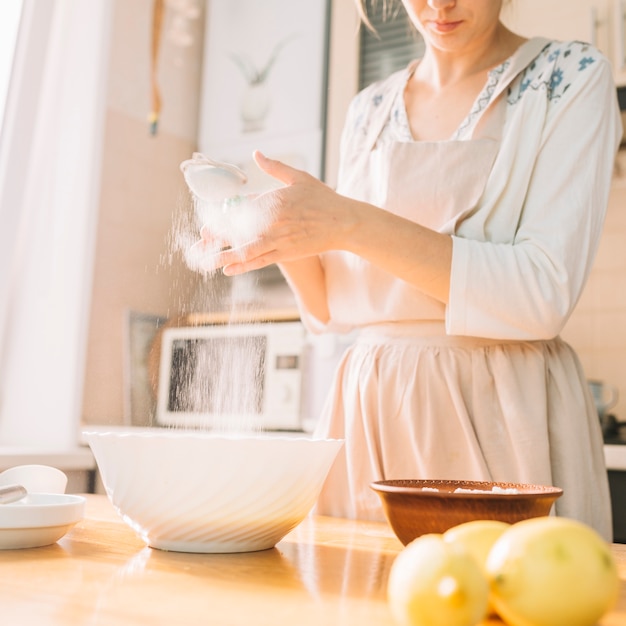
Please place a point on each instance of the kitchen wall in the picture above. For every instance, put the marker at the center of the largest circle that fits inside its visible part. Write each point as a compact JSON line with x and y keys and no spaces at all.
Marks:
{"x":143,"y":191}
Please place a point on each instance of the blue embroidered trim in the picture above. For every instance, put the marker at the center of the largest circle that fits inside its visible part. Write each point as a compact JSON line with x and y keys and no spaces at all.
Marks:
{"x":551,"y":70}
{"x":558,"y":77}
{"x":484,"y":98}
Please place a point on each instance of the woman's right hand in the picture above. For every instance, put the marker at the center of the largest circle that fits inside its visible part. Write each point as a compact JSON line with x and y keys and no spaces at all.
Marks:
{"x":301,"y":219}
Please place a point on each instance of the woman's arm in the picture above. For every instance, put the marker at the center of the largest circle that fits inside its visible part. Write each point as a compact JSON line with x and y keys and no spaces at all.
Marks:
{"x":307,"y":281}
{"x":526,"y":280}
{"x":307,"y":218}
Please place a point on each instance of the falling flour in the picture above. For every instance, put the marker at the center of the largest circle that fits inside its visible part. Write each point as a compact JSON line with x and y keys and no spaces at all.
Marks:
{"x":224,"y":376}
{"x":230,"y":217}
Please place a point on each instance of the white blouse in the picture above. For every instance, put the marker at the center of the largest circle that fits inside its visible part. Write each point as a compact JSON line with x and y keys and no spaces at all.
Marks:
{"x":522,"y":255}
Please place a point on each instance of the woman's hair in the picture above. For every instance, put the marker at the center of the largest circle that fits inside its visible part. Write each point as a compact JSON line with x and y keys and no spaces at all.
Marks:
{"x":362,"y":5}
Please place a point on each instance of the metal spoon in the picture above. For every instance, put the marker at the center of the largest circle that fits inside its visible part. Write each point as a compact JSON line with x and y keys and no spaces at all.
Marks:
{"x":12,"y":493}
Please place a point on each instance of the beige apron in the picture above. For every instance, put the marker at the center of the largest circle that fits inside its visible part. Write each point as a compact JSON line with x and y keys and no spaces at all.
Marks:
{"x":411,"y":401}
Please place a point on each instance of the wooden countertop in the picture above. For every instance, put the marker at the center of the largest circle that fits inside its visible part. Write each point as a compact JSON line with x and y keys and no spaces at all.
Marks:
{"x":327,"y":571}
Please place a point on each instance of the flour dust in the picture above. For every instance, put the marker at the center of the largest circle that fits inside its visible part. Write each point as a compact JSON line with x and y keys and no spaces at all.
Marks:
{"x":221,"y":376}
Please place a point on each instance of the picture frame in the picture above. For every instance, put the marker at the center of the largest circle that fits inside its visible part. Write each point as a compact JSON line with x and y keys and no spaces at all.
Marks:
{"x":139,"y":394}
{"x":264,"y":84}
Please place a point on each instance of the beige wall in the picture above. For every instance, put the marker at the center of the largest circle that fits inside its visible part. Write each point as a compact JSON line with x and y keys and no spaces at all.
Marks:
{"x":142,"y":191}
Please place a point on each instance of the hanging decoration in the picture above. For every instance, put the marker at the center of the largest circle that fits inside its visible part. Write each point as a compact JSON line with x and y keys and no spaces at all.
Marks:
{"x":157,"y":24}
{"x":183,"y":13}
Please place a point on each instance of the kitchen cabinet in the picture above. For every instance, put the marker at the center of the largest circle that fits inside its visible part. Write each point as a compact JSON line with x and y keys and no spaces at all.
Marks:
{"x":600,"y":22}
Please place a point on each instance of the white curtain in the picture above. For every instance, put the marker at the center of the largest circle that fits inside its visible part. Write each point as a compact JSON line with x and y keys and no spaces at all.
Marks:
{"x":50,"y":159}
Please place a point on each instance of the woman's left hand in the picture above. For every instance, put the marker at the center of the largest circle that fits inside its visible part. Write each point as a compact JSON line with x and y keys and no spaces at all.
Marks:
{"x":301,"y":219}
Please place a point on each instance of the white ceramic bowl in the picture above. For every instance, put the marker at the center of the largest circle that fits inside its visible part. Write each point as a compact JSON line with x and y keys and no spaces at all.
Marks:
{"x":193,"y":491}
{"x":39,"y":519}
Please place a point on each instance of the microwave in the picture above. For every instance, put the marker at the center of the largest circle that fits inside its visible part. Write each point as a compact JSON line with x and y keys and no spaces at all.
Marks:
{"x":226,"y":377}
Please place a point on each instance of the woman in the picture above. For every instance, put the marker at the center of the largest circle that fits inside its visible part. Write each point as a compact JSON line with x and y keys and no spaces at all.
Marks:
{"x":472,"y":191}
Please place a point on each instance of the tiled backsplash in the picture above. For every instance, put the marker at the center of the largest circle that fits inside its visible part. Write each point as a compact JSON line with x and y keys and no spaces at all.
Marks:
{"x":597,"y":329}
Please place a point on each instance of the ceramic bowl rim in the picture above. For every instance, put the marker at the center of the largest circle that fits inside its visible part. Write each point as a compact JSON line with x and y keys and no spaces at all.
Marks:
{"x":415,"y":488}
{"x":174,"y":433}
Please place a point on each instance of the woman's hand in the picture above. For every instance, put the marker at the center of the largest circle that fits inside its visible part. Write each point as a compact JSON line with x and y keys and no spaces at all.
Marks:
{"x":300,"y":219}
{"x":304,"y":218}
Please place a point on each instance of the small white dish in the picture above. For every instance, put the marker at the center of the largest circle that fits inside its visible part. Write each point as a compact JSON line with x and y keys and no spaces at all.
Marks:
{"x":35,"y":478}
{"x":39,"y":519}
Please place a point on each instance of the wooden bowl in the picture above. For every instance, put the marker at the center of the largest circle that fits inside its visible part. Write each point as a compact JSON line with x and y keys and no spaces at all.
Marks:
{"x":418,"y":507}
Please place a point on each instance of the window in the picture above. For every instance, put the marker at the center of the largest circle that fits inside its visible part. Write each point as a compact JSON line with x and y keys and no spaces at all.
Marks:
{"x":10,"y":12}
{"x":50,"y":160}
{"x":392,"y":48}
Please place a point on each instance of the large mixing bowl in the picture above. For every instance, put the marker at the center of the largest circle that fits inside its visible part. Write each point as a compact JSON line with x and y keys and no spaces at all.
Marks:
{"x":192,"y":491}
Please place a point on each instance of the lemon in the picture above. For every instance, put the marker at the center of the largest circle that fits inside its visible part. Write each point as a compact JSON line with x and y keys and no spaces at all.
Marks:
{"x":551,"y":571}
{"x":436,"y":583}
{"x":477,"y":537}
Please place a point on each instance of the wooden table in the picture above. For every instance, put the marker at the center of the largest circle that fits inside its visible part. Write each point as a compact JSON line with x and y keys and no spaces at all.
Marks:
{"x":326,"y":572}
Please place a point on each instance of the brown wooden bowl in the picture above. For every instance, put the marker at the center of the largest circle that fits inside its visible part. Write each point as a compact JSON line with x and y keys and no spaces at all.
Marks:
{"x":418,"y":507}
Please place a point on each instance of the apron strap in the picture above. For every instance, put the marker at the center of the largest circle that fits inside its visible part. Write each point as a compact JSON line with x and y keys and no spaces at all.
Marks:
{"x":381,"y":116}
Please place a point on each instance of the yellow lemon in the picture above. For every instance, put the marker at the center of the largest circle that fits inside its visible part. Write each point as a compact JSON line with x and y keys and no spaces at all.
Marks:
{"x":477,"y":537}
{"x":552,"y":571}
{"x":436,"y":583}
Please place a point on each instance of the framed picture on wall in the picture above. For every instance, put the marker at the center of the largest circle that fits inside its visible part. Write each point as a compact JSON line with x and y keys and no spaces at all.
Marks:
{"x":139,"y":389}
{"x":264,"y":83}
